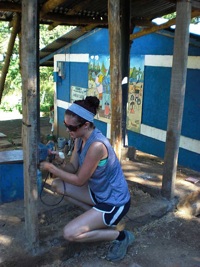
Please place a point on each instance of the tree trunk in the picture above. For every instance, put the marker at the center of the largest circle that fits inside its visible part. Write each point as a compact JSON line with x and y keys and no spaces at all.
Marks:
{"x":14,"y":32}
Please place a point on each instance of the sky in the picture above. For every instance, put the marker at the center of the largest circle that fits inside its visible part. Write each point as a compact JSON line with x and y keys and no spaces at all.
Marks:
{"x":194,"y":28}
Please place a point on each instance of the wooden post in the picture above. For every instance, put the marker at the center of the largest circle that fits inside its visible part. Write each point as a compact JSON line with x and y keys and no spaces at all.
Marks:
{"x":125,"y":52}
{"x":30,"y":127}
{"x":115,"y":75}
{"x":177,"y":94}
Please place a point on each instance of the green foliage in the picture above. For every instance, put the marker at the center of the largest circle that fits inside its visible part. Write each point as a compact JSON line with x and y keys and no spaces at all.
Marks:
{"x":46,"y":88}
{"x":45,"y":107}
{"x":195,"y":20}
{"x":170,"y":16}
{"x":13,"y":78}
{"x":6,"y":107}
{"x":13,"y":82}
{"x":5,"y":32}
{"x":47,"y":36}
{"x":18,"y":107}
{"x":173,"y":15}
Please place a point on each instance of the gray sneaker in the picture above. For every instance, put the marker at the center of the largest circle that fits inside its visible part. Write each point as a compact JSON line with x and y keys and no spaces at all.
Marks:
{"x":118,"y":249}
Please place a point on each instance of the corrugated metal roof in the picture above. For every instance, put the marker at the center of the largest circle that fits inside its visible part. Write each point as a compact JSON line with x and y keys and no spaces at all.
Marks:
{"x":87,"y":15}
{"x":87,"y":9}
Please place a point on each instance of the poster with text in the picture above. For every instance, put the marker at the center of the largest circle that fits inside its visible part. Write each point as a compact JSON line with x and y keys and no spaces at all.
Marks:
{"x":77,"y":93}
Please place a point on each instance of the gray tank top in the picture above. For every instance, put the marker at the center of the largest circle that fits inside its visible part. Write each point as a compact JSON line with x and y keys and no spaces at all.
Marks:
{"x":107,"y":182}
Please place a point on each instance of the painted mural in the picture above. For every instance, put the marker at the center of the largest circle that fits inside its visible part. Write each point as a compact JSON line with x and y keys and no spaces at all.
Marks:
{"x":99,"y":85}
{"x":135,"y":94}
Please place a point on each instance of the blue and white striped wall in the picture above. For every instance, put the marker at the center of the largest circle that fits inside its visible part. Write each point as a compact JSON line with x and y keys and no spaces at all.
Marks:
{"x":158,"y":51}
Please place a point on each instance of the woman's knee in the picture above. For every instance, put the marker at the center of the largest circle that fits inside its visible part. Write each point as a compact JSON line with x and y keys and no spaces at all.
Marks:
{"x":58,"y":186}
{"x":69,"y":234}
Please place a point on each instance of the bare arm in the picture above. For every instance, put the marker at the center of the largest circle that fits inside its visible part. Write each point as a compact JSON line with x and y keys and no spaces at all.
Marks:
{"x":73,"y":165}
{"x":96,"y":152}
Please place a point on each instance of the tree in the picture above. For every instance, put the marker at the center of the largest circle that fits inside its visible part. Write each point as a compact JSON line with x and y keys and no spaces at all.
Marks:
{"x":173,"y":15}
{"x":12,"y":83}
{"x":11,"y":43}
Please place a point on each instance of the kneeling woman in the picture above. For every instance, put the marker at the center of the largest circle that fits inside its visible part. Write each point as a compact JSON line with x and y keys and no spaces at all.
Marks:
{"x":93,"y":180}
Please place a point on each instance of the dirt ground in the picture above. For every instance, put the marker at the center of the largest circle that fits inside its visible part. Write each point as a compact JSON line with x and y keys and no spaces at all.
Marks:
{"x":163,"y":239}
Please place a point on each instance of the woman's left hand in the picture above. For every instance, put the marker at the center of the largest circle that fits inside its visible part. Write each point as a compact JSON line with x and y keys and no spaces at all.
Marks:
{"x":44,"y":166}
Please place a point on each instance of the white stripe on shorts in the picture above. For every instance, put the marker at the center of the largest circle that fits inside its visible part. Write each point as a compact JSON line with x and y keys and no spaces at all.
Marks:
{"x":117,"y":215}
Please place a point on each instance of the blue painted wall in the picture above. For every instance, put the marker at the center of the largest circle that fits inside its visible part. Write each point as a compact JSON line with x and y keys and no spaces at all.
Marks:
{"x":93,"y":44}
{"x":156,"y":91}
{"x":156,"y":96}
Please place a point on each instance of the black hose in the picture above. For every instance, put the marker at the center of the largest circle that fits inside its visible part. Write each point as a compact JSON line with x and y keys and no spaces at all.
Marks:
{"x":40,"y":195}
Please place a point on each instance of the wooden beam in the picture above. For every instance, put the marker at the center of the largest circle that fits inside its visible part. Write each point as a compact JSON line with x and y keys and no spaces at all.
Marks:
{"x":64,"y":19}
{"x":177,"y":94}
{"x":115,"y":75}
{"x":156,"y":28}
{"x":88,"y":28}
{"x":9,"y":6}
{"x":195,"y":4}
{"x":73,"y":11}
{"x":142,"y":22}
{"x":30,"y":125}
{"x":49,"y":6}
{"x":11,"y":43}
{"x":52,"y":4}
{"x":76,"y":20}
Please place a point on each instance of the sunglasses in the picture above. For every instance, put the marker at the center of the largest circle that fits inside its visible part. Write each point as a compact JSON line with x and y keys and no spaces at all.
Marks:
{"x":73,"y":128}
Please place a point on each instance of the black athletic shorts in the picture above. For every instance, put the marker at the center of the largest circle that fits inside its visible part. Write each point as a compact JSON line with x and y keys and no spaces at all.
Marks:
{"x":111,"y":214}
